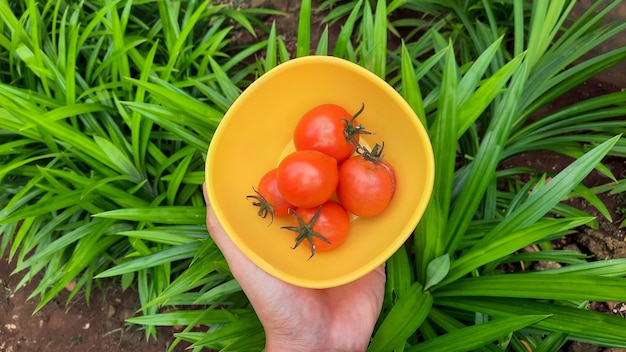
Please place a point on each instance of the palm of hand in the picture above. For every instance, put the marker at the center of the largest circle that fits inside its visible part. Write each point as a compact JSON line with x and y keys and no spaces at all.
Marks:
{"x":342,"y":318}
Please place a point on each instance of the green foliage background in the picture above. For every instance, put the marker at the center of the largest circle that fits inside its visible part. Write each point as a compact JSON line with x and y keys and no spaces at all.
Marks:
{"x":107,"y":108}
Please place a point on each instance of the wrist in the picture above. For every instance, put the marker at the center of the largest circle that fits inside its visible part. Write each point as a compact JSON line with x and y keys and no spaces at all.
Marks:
{"x":281,"y":345}
{"x":271,"y":346}
{"x":291,"y":348}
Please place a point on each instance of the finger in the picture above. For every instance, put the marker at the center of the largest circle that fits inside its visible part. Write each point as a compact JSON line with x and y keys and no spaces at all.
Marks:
{"x":233,"y":255}
{"x":215,"y":229}
{"x":248,"y":274}
{"x":381,"y":269}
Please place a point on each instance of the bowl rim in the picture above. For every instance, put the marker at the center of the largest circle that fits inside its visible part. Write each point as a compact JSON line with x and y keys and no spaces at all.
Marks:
{"x":376,"y":261}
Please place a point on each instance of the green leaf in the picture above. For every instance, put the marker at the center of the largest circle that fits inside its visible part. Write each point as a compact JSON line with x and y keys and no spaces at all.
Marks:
{"x":470,"y":338}
{"x":234,"y":335}
{"x":380,"y":39}
{"x":448,"y":323}
{"x":410,"y":86}
{"x":471,"y":78}
{"x":303,"y":46}
{"x":558,"y":256}
{"x":165,"y":235}
{"x":553,"y":342}
{"x":322,"y":45}
{"x":177,"y":178}
{"x":579,"y":324}
{"x":119,"y":159}
{"x":593,"y":199}
{"x":437,"y":270}
{"x":183,"y":251}
{"x":271,"y":59}
{"x":442,"y":134}
{"x":427,"y":237}
{"x":83,"y":256}
{"x":483,"y":167}
{"x":556,"y":287}
{"x":230,"y":90}
{"x":343,"y":45}
{"x":181,"y":37}
{"x":609,"y":267}
{"x":19,"y":161}
{"x":104,"y":187}
{"x":472,"y":108}
{"x":399,"y":275}
{"x":45,"y":206}
{"x":171,"y":122}
{"x":186,"y":317}
{"x":163,"y":215}
{"x":404,"y":318}
{"x":546,"y":21}
{"x":182,"y":101}
{"x":70,"y":237}
{"x":196,"y":275}
{"x":219,"y":292}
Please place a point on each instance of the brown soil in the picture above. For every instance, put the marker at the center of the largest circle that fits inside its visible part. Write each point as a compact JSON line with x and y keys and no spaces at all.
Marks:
{"x":77,"y":326}
{"x":99,"y":325}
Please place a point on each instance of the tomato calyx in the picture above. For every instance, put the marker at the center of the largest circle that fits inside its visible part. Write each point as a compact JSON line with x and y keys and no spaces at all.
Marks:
{"x":264,"y":206}
{"x":305,"y":230}
{"x":351,"y":130}
{"x":375,"y":155}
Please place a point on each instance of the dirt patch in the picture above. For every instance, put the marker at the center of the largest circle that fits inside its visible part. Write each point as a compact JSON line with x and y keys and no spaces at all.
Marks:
{"x":77,"y":326}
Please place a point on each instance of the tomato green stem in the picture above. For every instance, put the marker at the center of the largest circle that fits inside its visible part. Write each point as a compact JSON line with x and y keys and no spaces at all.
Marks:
{"x":375,"y":155}
{"x":306,"y":231}
{"x":264,"y":206}
{"x":351,"y":131}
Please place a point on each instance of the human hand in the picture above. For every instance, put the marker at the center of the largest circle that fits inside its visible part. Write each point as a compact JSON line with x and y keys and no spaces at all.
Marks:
{"x":302,"y":319}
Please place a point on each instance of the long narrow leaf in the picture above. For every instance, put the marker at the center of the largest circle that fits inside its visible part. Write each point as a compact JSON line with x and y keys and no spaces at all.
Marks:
{"x":410,"y":86}
{"x":186,"y":215}
{"x":557,"y":287}
{"x":580,"y":324}
{"x":343,"y":39}
{"x":183,"y":251}
{"x":303,"y":47}
{"x":472,"y":337}
{"x":483,"y":167}
{"x":404,"y":318}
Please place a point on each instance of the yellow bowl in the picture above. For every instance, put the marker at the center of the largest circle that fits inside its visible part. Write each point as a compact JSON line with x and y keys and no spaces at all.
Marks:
{"x":256,"y":133}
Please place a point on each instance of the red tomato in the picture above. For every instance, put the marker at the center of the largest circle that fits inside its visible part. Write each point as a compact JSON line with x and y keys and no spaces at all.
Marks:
{"x":330,"y":129}
{"x":366,"y":183}
{"x":307,"y":178}
{"x":269,"y":199}
{"x":324,"y":228}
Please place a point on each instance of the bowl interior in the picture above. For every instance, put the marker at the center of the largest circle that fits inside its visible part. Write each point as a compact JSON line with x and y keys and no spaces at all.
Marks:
{"x":256,"y":133}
